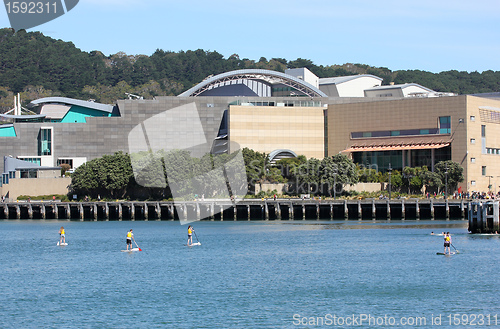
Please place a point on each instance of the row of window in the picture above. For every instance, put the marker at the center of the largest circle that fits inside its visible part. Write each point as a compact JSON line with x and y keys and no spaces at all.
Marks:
{"x":444,"y":127}
{"x":298,"y":103}
{"x":391,"y":133}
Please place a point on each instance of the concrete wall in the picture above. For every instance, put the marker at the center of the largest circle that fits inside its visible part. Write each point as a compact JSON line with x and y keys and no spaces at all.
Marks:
{"x":35,"y":187}
{"x":267,"y":187}
{"x":365,"y":187}
{"x":360,"y":187}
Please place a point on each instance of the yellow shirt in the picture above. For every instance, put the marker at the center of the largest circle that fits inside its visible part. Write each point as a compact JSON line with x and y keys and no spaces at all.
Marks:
{"x":61,"y":232}
{"x":129,"y":235}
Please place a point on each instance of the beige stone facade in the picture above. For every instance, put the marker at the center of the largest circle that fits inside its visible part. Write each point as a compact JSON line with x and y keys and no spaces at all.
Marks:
{"x":269,"y":128}
{"x":480,"y":156}
{"x":483,"y":158}
{"x":35,"y":187}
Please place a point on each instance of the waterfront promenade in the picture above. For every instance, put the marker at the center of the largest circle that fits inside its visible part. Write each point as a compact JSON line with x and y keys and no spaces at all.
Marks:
{"x":247,"y":209}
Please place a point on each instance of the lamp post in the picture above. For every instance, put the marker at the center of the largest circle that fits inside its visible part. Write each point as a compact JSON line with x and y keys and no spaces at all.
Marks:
{"x":409,"y":176}
{"x":489,"y":182}
{"x":335,"y":184}
{"x":390,"y":173}
{"x":446,"y":183}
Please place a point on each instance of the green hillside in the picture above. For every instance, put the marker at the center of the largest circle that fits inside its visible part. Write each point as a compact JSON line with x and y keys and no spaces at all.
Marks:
{"x":39,"y":66}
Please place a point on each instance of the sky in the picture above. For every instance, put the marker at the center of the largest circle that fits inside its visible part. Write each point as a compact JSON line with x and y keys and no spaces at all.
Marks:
{"x":435,"y":36}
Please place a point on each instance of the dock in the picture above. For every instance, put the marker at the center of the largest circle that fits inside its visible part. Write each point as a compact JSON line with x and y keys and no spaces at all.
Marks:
{"x":247,"y":209}
{"x":483,"y":217}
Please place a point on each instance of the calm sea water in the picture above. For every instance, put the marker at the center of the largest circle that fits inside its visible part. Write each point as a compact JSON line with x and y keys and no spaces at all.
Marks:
{"x":246,"y":275}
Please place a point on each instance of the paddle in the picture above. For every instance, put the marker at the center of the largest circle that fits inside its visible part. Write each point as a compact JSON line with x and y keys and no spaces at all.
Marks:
{"x":196,"y":237}
{"x":137,"y":246}
{"x":455,"y":248}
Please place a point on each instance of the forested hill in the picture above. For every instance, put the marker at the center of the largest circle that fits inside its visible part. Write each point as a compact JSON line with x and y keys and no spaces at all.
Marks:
{"x":39,"y":66}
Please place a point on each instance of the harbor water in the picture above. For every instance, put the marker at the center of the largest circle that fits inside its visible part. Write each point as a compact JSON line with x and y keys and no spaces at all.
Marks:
{"x":255,"y":274}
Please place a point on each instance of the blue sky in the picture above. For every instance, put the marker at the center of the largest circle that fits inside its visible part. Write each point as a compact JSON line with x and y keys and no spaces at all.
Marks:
{"x":434,"y":36}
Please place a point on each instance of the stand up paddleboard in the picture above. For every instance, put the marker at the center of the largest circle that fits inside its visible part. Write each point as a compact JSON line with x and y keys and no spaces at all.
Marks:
{"x":62,"y":244}
{"x":194,"y":244}
{"x":131,"y":250}
{"x":442,"y":253}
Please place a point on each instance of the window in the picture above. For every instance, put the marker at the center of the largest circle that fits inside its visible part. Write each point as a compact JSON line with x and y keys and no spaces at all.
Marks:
{"x":473,"y":160}
{"x":483,"y":131}
{"x":45,"y":141}
{"x":473,"y":141}
{"x":28,"y":173}
{"x":444,"y":125}
{"x":67,"y":161}
{"x":472,"y":118}
{"x":473,"y":182}
{"x":483,"y":170}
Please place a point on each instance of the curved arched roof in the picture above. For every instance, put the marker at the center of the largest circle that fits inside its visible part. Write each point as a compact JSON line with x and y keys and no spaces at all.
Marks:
{"x":271,"y":77}
{"x":275,"y":153}
{"x":71,"y":101}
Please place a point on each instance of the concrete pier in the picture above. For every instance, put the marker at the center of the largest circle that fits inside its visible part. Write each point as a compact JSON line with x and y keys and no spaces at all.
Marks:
{"x":248,"y":209}
{"x":483,"y":217}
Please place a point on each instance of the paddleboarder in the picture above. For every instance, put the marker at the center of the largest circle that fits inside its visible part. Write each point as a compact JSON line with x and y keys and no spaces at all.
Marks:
{"x":62,"y":235}
{"x":130,"y":237}
{"x":447,"y":242}
{"x":190,"y":235}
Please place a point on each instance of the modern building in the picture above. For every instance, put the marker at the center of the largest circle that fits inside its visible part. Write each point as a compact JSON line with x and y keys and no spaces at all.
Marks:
{"x":281,"y":114}
{"x":422,"y":131}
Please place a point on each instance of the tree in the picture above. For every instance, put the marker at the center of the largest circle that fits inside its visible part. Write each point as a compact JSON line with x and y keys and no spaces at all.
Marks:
{"x":337,"y":171}
{"x":255,"y":165}
{"x":454,"y":174}
{"x":411,"y":180}
{"x":115,"y":174}
{"x":109,"y":175}
{"x":431,"y":181}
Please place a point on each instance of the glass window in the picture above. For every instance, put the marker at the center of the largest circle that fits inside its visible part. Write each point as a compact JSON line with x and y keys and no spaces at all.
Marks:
{"x":473,"y":182}
{"x":473,"y":160}
{"x":45,"y":141}
{"x":483,"y":131}
{"x":444,"y":125}
{"x":395,"y":133}
{"x":473,"y":141}
{"x":424,"y":131}
{"x":472,"y":118}
{"x":483,"y":170}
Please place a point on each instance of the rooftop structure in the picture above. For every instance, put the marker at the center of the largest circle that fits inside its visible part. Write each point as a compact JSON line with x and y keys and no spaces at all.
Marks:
{"x":349,"y":86}
{"x":253,"y":82}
